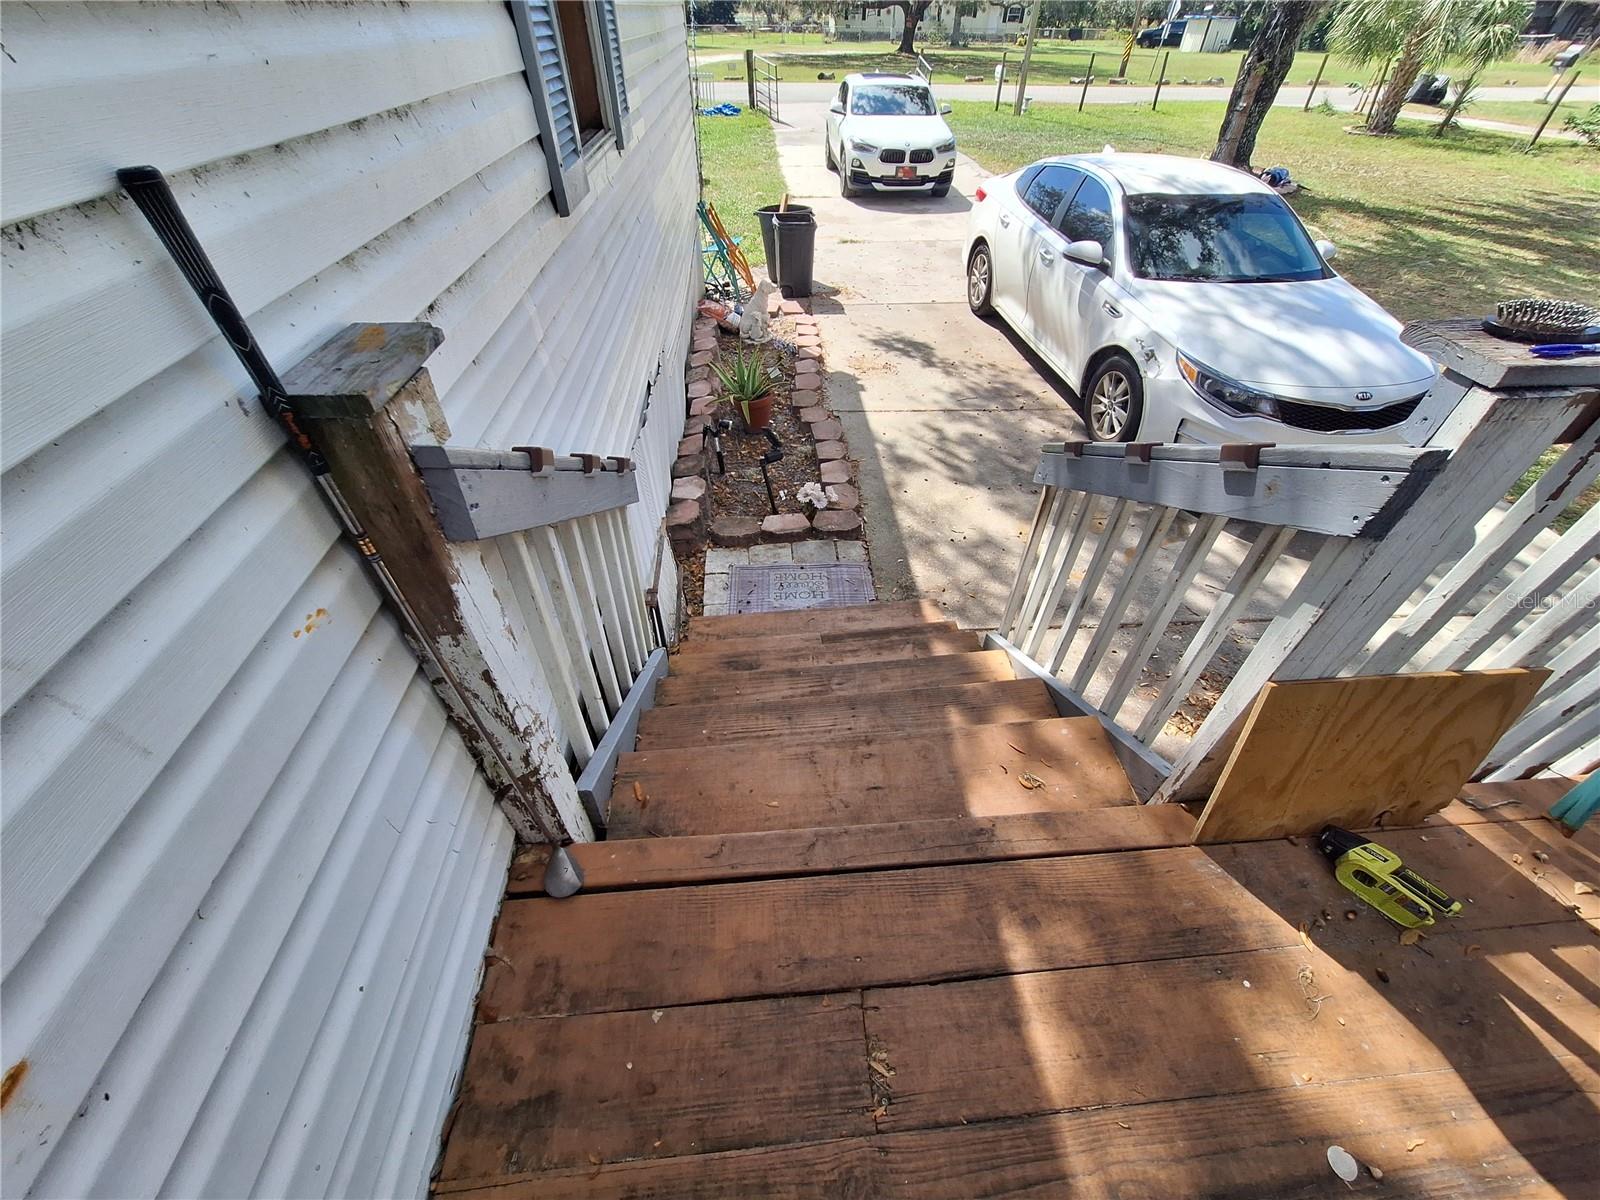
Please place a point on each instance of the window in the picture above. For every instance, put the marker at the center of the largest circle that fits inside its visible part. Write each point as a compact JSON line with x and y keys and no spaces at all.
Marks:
{"x":1088,"y":217}
{"x":572,"y":54}
{"x":891,"y":100}
{"x":1224,"y":239}
{"x":1014,"y":14}
{"x":1049,"y":188}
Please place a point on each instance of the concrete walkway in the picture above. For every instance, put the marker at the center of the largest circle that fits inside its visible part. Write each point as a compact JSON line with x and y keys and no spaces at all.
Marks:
{"x":945,"y":413}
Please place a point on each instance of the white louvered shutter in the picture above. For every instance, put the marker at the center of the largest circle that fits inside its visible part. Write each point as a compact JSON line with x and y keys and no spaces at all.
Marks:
{"x":614,"y":73}
{"x":552,"y":100}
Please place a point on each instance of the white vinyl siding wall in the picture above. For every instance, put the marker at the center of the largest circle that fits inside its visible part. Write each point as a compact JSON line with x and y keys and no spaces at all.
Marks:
{"x":248,"y":867}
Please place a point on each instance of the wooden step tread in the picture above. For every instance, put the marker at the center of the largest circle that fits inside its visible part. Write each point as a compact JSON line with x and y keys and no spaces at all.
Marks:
{"x":611,"y":951}
{"x":792,"y":652}
{"x":626,"y":863}
{"x":1426,"y":1129}
{"x":838,"y":679}
{"x":800,"y":721}
{"x":876,"y":615}
{"x":970,"y":772}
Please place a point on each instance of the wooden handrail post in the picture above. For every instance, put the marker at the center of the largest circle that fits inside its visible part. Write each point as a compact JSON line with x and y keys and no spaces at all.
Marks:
{"x":364,"y":396}
{"x":1320,"y":66}
{"x":750,"y":75}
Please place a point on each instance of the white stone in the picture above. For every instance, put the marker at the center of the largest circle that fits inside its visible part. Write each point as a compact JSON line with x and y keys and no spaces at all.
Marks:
{"x":719,"y":559}
{"x":850,"y":551}
{"x":771,"y":554}
{"x":814,"y":552}
{"x":717,"y":589}
{"x":715,"y":610}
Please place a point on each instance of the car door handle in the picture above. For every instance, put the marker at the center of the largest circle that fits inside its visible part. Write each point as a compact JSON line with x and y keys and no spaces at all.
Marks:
{"x":1111,"y":308}
{"x":1005,"y":221}
{"x":1046,"y":257}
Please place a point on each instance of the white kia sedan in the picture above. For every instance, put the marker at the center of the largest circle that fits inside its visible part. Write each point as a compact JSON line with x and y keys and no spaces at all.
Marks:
{"x":885,"y":133}
{"x":1184,"y":301}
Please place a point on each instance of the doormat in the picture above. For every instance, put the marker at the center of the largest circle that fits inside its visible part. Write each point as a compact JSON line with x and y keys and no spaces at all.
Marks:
{"x":784,"y":587}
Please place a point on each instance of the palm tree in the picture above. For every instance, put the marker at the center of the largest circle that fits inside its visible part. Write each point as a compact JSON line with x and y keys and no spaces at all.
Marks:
{"x":1416,"y":33}
{"x":1496,"y":37}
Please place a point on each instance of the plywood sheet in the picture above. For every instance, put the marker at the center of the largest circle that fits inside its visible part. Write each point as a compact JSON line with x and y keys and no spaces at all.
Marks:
{"x":1358,"y":752}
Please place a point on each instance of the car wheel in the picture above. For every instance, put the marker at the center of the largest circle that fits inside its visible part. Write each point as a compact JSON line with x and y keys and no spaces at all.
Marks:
{"x":845,"y":189}
{"x":980,"y":281}
{"x":940,"y":192}
{"x":1113,"y":400}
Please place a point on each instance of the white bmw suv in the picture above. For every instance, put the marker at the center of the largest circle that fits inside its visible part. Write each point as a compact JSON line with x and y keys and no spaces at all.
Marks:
{"x":1184,"y":302}
{"x":885,"y":133}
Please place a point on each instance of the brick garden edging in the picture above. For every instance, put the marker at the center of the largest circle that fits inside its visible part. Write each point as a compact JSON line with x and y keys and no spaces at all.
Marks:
{"x":689,"y":519}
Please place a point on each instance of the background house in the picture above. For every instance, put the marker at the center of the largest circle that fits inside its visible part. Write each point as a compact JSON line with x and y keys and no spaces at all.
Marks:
{"x":249,"y":867}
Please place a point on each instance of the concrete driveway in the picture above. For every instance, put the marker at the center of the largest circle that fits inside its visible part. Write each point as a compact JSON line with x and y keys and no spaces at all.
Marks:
{"x":945,"y":413}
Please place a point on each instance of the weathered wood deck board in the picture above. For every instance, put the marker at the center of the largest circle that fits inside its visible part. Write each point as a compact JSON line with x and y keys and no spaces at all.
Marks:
{"x":1492,"y":867}
{"x":830,"y":681}
{"x":924,"y":710}
{"x":715,"y":659}
{"x":1520,"y":1131}
{"x":1004,"y":1047}
{"x":711,"y":858}
{"x":875,"y":614}
{"x":656,"y":1083}
{"x":970,"y":772}
{"x":620,"y":950}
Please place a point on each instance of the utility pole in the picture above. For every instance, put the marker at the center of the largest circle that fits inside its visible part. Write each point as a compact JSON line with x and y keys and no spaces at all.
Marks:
{"x":1027,"y":54}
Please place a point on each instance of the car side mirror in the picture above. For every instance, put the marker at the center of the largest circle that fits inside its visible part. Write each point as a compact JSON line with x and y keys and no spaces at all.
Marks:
{"x":1088,"y":252}
{"x":945,"y":110}
{"x":1328,"y":251}
{"x":836,"y":109}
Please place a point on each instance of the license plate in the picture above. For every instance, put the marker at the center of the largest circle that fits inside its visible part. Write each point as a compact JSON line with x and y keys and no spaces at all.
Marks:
{"x":907,"y":172}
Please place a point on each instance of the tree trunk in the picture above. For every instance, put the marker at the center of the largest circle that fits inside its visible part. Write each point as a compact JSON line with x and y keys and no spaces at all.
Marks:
{"x":1386,"y":109}
{"x":955,"y":29}
{"x":1266,"y":66}
{"x":908,"y":35}
{"x":1464,"y":92}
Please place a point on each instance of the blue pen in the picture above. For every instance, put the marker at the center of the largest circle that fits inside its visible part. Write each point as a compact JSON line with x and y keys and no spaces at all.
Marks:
{"x":1563,"y":350}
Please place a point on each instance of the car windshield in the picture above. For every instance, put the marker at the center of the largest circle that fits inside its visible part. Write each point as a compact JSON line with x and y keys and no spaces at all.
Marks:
{"x":1219,"y":239}
{"x":891,"y":100}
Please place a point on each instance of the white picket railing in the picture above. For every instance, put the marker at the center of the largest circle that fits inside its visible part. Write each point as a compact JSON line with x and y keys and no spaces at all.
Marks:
{"x":557,"y":524}
{"x":1150,"y":570}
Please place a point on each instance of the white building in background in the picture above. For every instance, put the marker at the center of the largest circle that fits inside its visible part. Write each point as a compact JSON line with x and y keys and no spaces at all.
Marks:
{"x":993,"y":22}
{"x":249,"y":866}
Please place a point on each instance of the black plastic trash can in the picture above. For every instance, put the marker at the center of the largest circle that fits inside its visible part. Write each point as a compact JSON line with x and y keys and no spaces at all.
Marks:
{"x":765,"y":216}
{"x":795,"y":238}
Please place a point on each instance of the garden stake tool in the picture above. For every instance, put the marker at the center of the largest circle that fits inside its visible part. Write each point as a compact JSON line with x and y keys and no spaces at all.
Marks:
{"x":1375,"y":874}
{"x":767,"y":459}
{"x":150,"y":191}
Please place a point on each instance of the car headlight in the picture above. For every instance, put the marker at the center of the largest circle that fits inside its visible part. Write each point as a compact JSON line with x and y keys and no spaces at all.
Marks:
{"x":1226,"y":394}
{"x":863,"y":147}
{"x":947,"y":148}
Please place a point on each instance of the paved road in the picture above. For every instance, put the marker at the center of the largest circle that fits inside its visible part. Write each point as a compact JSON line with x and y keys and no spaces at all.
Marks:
{"x":946,"y":413}
{"x":801,"y":95}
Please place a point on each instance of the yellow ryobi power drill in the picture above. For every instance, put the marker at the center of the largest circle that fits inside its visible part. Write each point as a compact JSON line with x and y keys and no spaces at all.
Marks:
{"x":1375,"y":873}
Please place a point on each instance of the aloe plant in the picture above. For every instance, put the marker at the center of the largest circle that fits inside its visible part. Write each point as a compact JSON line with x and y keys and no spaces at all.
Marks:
{"x":744,"y":378}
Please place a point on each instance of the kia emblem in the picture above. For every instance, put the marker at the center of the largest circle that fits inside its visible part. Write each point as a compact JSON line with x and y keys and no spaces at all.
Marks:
{"x":1363,"y":395}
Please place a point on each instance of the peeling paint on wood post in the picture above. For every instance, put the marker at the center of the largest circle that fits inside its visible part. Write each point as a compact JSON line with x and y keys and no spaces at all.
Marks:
{"x":364,"y":397}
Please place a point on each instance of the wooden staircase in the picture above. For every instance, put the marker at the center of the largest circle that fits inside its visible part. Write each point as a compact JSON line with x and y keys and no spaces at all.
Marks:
{"x":872,"y":919}
{"x":851,"y":717}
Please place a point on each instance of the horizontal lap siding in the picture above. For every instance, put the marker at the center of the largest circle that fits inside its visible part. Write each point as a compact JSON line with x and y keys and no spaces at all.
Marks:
{"x":248,"y":869}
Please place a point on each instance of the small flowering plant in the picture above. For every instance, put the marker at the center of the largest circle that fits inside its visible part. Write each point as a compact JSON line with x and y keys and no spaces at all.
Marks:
{"x":815,"y":497}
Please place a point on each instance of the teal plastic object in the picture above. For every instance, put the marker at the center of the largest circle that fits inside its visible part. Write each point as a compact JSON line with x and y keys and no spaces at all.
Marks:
{"x":1578,"y":805}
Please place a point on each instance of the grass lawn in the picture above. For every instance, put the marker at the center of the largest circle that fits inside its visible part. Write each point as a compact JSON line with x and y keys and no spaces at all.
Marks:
{"x":1527,"y":113}
{"x":739,"y":162}
{"x":800,"y":57}
{"x":1427,"y":226}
